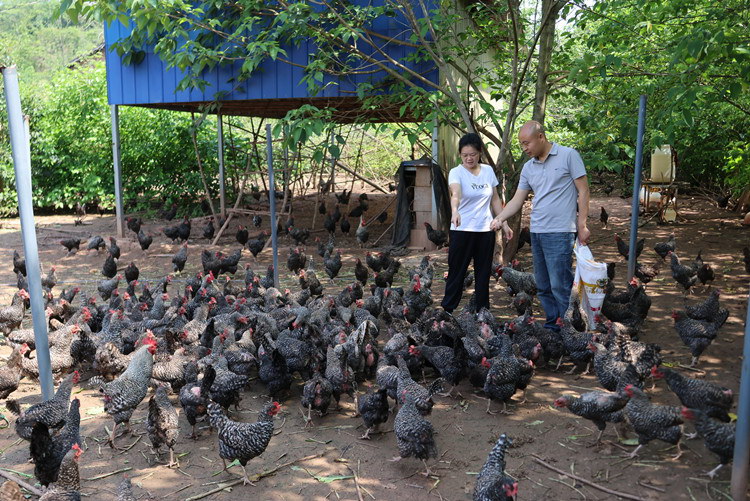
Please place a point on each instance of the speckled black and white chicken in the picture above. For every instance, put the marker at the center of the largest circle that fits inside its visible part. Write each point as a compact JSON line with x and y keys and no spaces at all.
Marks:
{"x":242,"y":441}
{"x":162,"y":425}
{"x":493,"y":483}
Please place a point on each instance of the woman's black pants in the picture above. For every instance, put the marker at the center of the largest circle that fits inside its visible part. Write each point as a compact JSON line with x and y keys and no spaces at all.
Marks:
{"x":465,"y":246}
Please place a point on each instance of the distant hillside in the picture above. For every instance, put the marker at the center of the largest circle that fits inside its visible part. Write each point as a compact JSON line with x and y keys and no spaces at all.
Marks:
{"x":38,"y":42}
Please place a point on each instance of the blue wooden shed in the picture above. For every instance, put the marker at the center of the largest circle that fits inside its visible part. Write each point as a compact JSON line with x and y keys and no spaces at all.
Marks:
{"x":271,"y":91}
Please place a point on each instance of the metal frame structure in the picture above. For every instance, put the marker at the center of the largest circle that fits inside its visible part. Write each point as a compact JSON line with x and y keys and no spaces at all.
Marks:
{"x":19,"y":140}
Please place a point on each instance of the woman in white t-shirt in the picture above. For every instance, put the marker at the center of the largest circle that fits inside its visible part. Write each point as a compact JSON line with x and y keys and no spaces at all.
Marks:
{"x":474,"y":199}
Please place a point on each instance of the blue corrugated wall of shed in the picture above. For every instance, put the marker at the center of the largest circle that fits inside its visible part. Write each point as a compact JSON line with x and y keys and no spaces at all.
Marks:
{"x":150,"y":82}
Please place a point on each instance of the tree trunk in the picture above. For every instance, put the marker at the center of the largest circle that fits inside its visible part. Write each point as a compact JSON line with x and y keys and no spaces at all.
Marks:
{"x":546,"y":45}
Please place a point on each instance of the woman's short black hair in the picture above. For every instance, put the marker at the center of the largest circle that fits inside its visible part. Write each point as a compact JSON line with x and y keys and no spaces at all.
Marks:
{"x":470,"y":139}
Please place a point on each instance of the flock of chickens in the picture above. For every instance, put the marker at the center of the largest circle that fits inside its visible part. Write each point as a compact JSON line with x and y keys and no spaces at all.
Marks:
{"x":208,"y":340}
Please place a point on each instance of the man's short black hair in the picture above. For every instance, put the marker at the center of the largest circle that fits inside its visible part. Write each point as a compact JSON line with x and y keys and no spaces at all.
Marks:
{"x":470,"y":139}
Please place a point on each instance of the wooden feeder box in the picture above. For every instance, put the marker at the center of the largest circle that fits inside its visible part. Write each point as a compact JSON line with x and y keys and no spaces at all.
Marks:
{"x":422,"y":206}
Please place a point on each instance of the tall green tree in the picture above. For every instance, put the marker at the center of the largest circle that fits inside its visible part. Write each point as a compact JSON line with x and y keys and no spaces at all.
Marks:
{"x":692,"y":60}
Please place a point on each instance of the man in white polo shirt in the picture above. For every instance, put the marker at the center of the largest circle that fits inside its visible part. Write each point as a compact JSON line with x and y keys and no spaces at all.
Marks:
{"x":557,"y":177}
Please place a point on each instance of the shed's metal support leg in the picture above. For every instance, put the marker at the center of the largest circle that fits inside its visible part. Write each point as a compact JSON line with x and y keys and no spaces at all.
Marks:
{"x":116,"y":157}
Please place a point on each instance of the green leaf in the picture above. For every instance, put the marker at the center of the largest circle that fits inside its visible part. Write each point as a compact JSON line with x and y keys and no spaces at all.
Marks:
{"x":688,"y":117}
{"x":533,"y":423}
{"x":629,"y":441}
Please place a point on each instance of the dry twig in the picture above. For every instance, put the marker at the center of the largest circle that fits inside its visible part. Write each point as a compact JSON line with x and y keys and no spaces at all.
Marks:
{"x":21,"y":483}
{"x":583,"y":480}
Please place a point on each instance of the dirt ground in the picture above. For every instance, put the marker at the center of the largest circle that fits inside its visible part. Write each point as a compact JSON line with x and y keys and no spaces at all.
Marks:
{"x":465,"y":433}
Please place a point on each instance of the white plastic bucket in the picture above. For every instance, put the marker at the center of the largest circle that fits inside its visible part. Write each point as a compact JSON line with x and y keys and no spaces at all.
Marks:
{"x":590,"y":281}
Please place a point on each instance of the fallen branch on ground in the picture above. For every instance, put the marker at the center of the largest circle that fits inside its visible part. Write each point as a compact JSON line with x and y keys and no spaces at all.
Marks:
{"x":254,"y":478}
{"x":583,"y":480}
{"x":21,"y":483}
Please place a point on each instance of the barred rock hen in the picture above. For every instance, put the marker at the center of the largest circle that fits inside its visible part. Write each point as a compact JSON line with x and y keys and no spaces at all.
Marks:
{"x":493,"y":484}
{"x":599,"y":407}
{"x":373,"y":407}
{"x":576,"y":345}
{"x":162,"y":425}
{"x":505,"y":376}
{"x":48,"y":451}
{"x":226,"y":388}
{"x":243,"y":441}
{"x":107,"y":287}
{"x":194,"y":396}
{"x":695,"y":334}
{"x":684,"y":275}
{"x":709,"y":310}
{"x":316,"y":394}
{"x":123,"y":394}
{"x":518,"y":281}
{"x":718,"y":437}
{"x":522,"y":303}
{"x":714,"y":400}
{"x":664,"y":248}
{"x":652,"y":421}
{"x":407,"y":388}
{"x":52,"y":413}
{"x":68,"y":485}
{"x":11,"y":316}
{"x":414,"y":434}
{"x":125,"y":490}
{"x":339,"y":374}
{"x":417,"y":298}
{"x":10,"y":373}
{"x":613,"y":372}
{"x":451,"y":363}
{"x":643,"y":356}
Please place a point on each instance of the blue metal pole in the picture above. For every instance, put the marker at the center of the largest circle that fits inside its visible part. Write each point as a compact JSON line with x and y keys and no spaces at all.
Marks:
{"x":636,"y":186}
{"x":742,"y":433}
{"x":22,"y":164}
{"x":116,"y":157}
{"x":272,"y":203}
{"x":222,"y":181}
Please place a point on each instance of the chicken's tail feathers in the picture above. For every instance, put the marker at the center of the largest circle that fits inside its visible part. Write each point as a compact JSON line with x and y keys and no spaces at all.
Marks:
{"x":436,"y":386}
{"x":14,"y":407}
{"x":209,"y":375}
